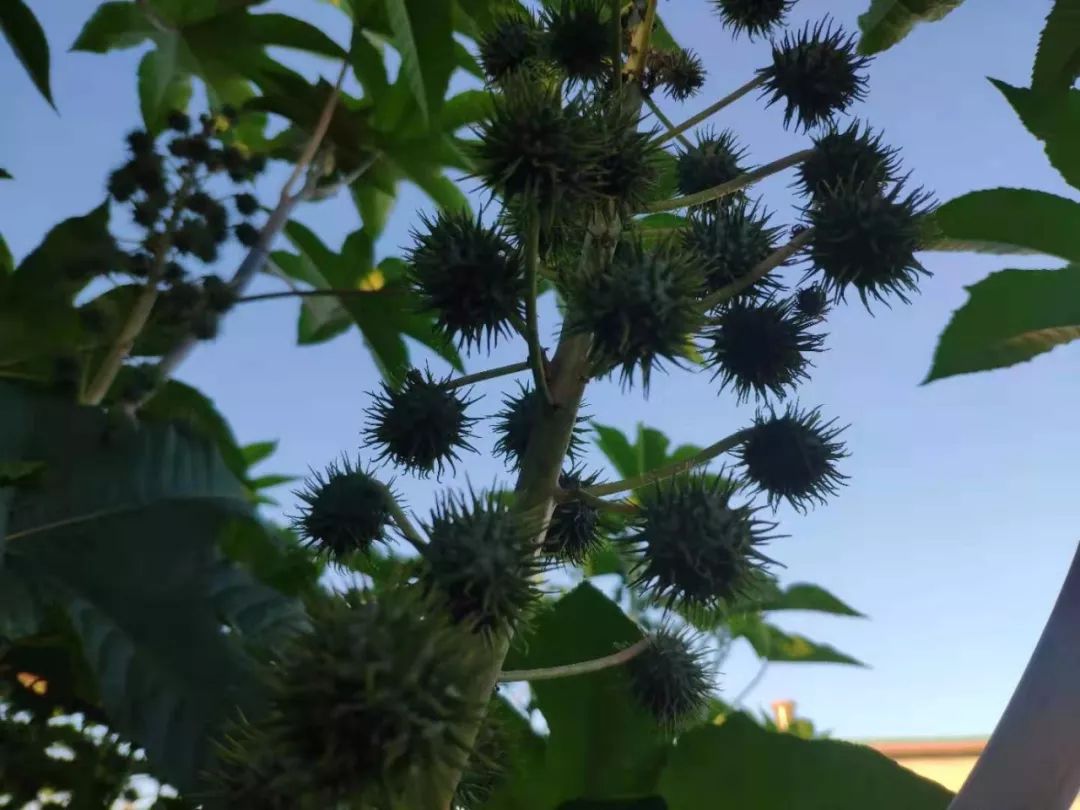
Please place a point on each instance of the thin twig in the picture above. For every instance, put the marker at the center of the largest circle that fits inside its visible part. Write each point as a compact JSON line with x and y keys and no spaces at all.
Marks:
{"x":154,"y":18}
{"x":405,"y":526}
{"x":490,"y":374}
{"x":669,"y":470}
{"x":746,"y":690}
{"x":694,"y":120}
{"x":596,"y":502}
{"x":731,"y":186}
{"x":759,"y":271}
{"x":581,"y":668}
{"x":344,"y":182}
{"x":655,"y":108}
{"x":316,"y":139}
{"x":270,"y":296}
{"x":532,"y":327}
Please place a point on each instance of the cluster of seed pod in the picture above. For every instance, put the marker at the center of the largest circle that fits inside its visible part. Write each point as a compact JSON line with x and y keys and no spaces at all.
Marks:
{"x":563,"y":148}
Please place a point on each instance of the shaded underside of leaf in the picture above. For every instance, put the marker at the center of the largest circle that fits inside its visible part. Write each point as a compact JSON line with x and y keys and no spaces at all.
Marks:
{"x":1057,"y":61}
{"x":887,"y":22}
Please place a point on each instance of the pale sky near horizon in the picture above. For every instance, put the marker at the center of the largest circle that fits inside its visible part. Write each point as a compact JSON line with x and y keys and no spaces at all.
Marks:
{"x":957,"y":526}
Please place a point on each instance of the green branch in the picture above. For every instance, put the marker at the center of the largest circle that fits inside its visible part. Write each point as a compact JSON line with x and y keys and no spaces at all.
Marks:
{"x":673,"y":469}
{"x":581,"y":668}
{"x":401,"y":520}
{"x":490,"y":374}
{"x":759,"y":271}
{"x":655,"y":108}
{"x":730,"y":98}
{"x":532,"y":326}
{"x":731,"y":186}
{"x":596,"y":502}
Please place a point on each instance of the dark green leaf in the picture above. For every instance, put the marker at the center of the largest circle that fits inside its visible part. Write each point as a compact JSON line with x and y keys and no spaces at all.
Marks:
{"x":113,"y":26}
{"x":5,"y":175}
{"x":1028,"y":219}
{"x":618,"y":450}
{"x":424,"y":39}
{"x":24,"y":35}
{"x":374,"y":206}
{"x":465,"y":108}
{"x":270,"y":481}
{"x":660,"y":221}
{"x":1053,"y":118}
{"x":652,"y":448}
{"x":162,"y":88}
{"x":773,"y":644}
{"x":368,"y":65}
{"x":1011,"y":316}
{"x":648,"y":803}
{"x":273,"y":555}
{"x":7,"y":262}
{"x":284,"y":31}
{"x":887,"y":22}
{"x":1057,"y":61}
{"x":602,"y":745}
{"x":739,"y":765}
{"x":258,"y":451}
{"x":47,"y":271}
{"x":803,"y":596}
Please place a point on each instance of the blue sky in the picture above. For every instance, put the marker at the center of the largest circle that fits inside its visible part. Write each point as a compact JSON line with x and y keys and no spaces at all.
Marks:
{"x":960,"y":517}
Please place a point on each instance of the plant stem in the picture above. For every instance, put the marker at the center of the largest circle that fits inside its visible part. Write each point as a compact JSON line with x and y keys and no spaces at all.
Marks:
{"x":675,"y":468}
{"x":405,"y":526}
{"x":731,"y":186}
{"x":580,"y":668}
{"x":490,"y":374}
{"x":532,"y":327}
{"x":140,"y":312}
{"x":596,"y":502}
{"x":655,"y":108}
{"x":1033,"y":757}
{"x":640,"y":43}
{"x":257,"y":256}
{"x":730,"y":98}
{"x":616,"y":45}
{"x":746,"y":690}
{"x":760,"y":270}
{"x":270,"y":296}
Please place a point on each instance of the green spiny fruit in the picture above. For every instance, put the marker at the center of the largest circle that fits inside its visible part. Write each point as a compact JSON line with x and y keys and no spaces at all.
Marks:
{"x":816,"y":72}
{"x":178,"y":121}
{"x":513,"y":43}
{"x":670,"y":678}
{"x":421,"y":425}
{"x":219,"y":296}
{"x":697,"y":548}
{"x":755,"y":17}
{"x":376,"y":698}
{"x":514,"y":424}
{"x":682,"y":74}
{"x":252,"y":771}
{"x":346,"y":511}
{"x":246,"y":204}
{"x":140,"y":142}
{"x":640,"y":309}
{"x":247,"y":234}
{"x":481,"y":559}
{"x":534,"y":146}
{"x":629,"y":160}
{"x":123,"y":183}
{"x":714,"y":160}
{"x":730,"y":242}
{"x":854,"y":155}
{"x":486,"y":767}
{"x":867,"y":240}
{"x":812,"y":302}
{"x":574,"y":529}
{"x":205,"y":324}
{"x":470,"y":276}
{"x":760,"y":349}
{"x":579,"y":39}
{"x":793,"y":456}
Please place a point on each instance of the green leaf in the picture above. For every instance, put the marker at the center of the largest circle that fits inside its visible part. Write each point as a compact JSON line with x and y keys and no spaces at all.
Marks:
{"x":887,"y":22}
{"x":161,"y":87}
{"x":660,"y":221}
{"x":647,"y":803}
{"x":601,"y":745}
{"x":257,"y":452}
{"x":1057,"y":61}
{"x":374,"y":206}
{"x":1053,"y":118}
{"x":1010,"y":316}
{"x":804,"y":596}
{"x":113,"y":26}
{"x":465,"y":108}
{"x":739,"y":765}
{"x":7,"y":262}
{"x":369,"y":65}
{"x":423,"y":37}
{"x":618,"y":450}
{"x":121,"y":532}
{"x":773,"y":644}
{"x":273,"y":555}
{"x":5,"y":175}
{"x":24,"y":35}
{"x":652,"y":448}
{"x":1031,"y":220}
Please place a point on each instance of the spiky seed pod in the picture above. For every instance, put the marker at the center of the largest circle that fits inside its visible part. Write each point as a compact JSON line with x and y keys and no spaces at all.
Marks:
{"x":682,"y":73}
{"x":247,"y":234}
{"x":123,"y":183}
{"x":219,"y":296}
{"x":513,"y":43}
{"x":200,"y":202}
{"x":481,"y":559}
{"x":346,"y":511}
{"x":533,"y":144}
{"x":640,"y":309}
{"x":761,"y":349}
{"x":469,"y":275}
{"x":140,"y":142}
{"x":754,"y":17}
{"x":867,"y":240}
{"x":246,"y":204}
{"x":376,"y":698}
{"x":486,"y":766}
{"x":816,"y":72}
{"x":730,"y":243}
{"x":792,"y":456}
{"x":178,"y":121}
{"x":574,"y":529}
{"x":205,"y":324}
{"x":716,"y":159}
{"x":252,"y":771}
{"x":514,"y":424}
{"x":148,"y":172}
{"x":421,"y":425}
{"x":256,"y":164}
{"x":173,"y":273}
{"x":670,"y":679}
{"x":144,"y":214}
{"x":697,"y":548}
{"x":854,"y":155}
{"x":812,"y":302}
{"x":629,"y":162}
{"x":578,"y":39}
